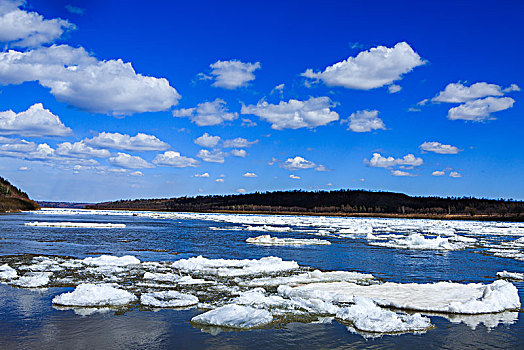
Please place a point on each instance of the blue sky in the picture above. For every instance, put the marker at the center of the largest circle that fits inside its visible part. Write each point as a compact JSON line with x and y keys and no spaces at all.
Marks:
{"x":102,"y":101}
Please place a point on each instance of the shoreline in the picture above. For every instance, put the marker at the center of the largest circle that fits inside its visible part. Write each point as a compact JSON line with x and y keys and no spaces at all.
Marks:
{"x":497,"y":218}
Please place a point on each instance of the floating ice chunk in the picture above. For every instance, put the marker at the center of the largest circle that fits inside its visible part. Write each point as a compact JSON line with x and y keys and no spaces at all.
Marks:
{"x":233,"y":267}
{"x":418,"y":241}
{"x":368,"y":236}
{"x":110,"y":260}
{"x":268,"y":240}
{"x":171,"y":277}
{"x":32,"y":280}
{"x":268,"y":228}
{"x":93,"y":295}
{"x":311,"y":277}
{"x":169,"y":298}
{"x":362,"y":230}
{"x":74,"y":224}
{"x":234,"y":316}
{"x":516,"y":276}
{"x":446,"y":297}
{"x":7,"y":272}
{"x":366,"y":316}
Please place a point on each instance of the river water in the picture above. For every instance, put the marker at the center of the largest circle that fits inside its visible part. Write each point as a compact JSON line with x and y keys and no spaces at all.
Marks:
{"x":29,"y":319}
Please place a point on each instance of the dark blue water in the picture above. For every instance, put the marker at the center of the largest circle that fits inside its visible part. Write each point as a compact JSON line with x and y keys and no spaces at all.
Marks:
{"x":28,"y":320}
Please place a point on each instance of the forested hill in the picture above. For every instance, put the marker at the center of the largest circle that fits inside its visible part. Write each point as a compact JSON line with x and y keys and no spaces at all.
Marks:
{"x":341,"y":202}
{"x":13,"y":199}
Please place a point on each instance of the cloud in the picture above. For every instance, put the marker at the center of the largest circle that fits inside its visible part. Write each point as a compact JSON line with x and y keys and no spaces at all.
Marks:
{"x":23,"y":168}
{"x":137,"y":173}
{"x":401,"y":173}
{"x":140,"y":142}
{"x":202,"y":175}
{"x":80,"y":150}
{"x":214,"y":156}
{"x":207,"y":140}
{"x":455,"y":174}
{"x":438,"y":147}
{"x":79,"y":79}
{"x":239,"y":142}
{"x":74,"y":9}
{"x":364,"y":121}
{"x":378,"y":161}
{"x":294,"y":114}
{"x":321,"y":167}
{"x":220,"y":180}
{"x":297,"y":163}
{"x":511,"y":88}
{"x":241,"y":190}
{"x":480,"y":110}
{"x":248,"y":123}
{"x":370,"y":69}
{"x":22,"y":149}
{"x":392,"y":89}
{"x":207,"y":113}
{"x":28,"y":29}
{"x":239,"y":153}
{"x":294,"y":177}
{"x":438,"y":173}
{"x":174,"y":159}
{"x":233,"y":74}
{"x":128,"y":161}
{"x":249,"y":175}
{"x":458,"y":93}
{"x":35,"y":121}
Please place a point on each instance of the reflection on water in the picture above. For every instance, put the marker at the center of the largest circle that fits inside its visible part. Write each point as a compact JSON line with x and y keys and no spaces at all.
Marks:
{"x":28,"y":319}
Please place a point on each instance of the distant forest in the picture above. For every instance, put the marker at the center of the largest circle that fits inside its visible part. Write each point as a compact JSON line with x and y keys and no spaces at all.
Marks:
{"x":341,"y":202}
{"x":14,"y":199}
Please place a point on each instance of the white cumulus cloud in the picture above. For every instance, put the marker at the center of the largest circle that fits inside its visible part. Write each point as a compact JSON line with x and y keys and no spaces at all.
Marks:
{"x":207,"y":113}
{"x":378,"y":161}
{"x":401,"y":173}
{"x":370,"y":69}
{"x":202,"y":175}
{"x":140,"y":142}
{"x":233,"y":74}
{"x":297,"y":163}
{"x":480,"y":110}
{"x":249,"y":175}
{"x":128,"y":161}
{"x":438,"y":173}
{"x":295,"y":114}
{"x":294,"y":177}
{"x":458,"y":93}
{"x":35,"y":121}
{"x":79,"y":79}
{"x":80,"y":150}
{"x":174,"y":159}
{"x":28,"y":29}
{"x":455,"y":174}
{"x":239,"y":153}
{"x":364,"y":121}
{"x":239,"y":142}
{"x":438,"y":147}
{"x":207,"y":140}
{"x":214,"y":156}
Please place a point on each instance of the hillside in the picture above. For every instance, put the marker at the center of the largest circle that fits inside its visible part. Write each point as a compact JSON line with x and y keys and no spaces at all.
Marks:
{"x":341,"y":202}
{"x":12,"y":199}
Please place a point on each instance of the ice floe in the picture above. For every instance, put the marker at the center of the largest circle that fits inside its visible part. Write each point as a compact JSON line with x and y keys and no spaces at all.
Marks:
{"x":95,"y":295}
{"x":7,"y":272}
{"x":74,"y":224}
{"x":418,"y":241}
{"x":110,"y":260}
{"x":166,"y":299}
{"x":268,"y":240}
{"x":32,"y":280}
{"x":232,"y":267}
{"x":515,"y":276}
{"x":445,"y":297}
{"x":366,"y":316}
{"x":234,"y":316}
